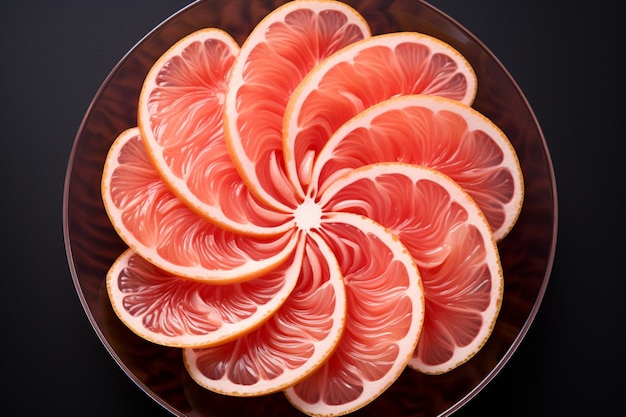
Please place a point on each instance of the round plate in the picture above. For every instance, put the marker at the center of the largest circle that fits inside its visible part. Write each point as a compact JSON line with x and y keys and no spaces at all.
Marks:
{"x":92,"y":245}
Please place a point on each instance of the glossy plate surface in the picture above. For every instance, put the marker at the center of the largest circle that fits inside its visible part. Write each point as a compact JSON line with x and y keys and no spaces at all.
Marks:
{"x":92,"y":245}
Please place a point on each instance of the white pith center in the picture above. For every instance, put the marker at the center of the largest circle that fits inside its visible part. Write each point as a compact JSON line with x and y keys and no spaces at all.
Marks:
{"x":308,"y":215}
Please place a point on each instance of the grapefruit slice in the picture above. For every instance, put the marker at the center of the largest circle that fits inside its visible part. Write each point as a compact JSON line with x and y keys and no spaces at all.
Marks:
{"x":362,"y":74}
{"x":151,"y":219}
{"x":278,"y":53}
{"x":173,"y":311}
{"x":385,"y":312}
{"x":290,"y":345}
{"x":181,"y":121}
{"x":439,"y":133}
{"x":451,"y":243}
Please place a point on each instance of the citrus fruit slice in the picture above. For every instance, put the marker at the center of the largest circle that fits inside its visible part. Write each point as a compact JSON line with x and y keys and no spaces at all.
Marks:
{"x":294,"y":342}
{"x":362,"y":74}
{"x":384,"y":317}
{"x":451,"y":243}
{"x":151,"y":219}
{"x":439,"y":133}
{"x":181,"y":121}
{"x":174,"y":311}
{"x":277,"y":54}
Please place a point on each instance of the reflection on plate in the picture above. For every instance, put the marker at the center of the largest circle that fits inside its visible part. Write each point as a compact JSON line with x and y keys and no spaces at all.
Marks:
{"x":92,"y":244}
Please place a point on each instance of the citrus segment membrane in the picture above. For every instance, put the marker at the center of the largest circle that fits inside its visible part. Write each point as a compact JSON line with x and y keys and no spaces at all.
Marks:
{"x":361,"y":75}
{"x":294,"y":342}
{"x":278,"y":53}
{"x":173,"y":311}
{"x":451,"y":243}
{"x":385,"y":312}
{"x":151,"y":219}
{"x":440,"y":133}
{"x":181,"y":121}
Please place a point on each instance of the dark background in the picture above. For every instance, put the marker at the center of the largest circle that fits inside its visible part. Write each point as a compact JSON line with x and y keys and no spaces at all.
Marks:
{"x":55,"y":55}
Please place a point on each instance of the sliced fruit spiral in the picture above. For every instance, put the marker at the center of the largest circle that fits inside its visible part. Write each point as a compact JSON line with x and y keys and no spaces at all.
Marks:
{"x":311,"y":212}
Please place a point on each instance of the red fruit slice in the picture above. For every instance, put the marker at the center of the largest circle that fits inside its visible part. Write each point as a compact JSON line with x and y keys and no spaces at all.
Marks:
{"x":158,"y":225}
{"x":174,"y":311}
{"x":278,"y":53}
{"x":294,"y":342}
{"x":180,"y":118}
{"x":452,"y":244}
{"x":384,"y":319}
{"x":361,"y":75}
{"x":439,"y":133}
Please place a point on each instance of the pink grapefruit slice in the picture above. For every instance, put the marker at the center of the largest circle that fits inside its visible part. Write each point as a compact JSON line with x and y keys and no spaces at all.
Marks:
{"x":173,"y":311}
{"x":439,"y":133}
{"x":151,"y":219}
{"x":181,"y":121}
{"x":451,"y":243}
{"x":278,"y":53}
{"x":293,"y":343}
{"x":384,"y":318}
{"x":361,"y":75}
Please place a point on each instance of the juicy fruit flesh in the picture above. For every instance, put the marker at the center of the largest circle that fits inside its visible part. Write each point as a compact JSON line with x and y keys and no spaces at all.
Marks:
{"x":470,"y":149}
{"x":153,"y":221}
{"x":287,"y":46}
{"x":291,"y":340}
{"x":389,"y":65}
{"x":451,"y":244}
{"x":297,"y":215}
{"x":215,"y":314}
{"x":383,"y":321}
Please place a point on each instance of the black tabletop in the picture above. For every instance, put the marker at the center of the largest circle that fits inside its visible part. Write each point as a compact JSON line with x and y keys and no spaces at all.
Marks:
{"x":565,"y":58}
